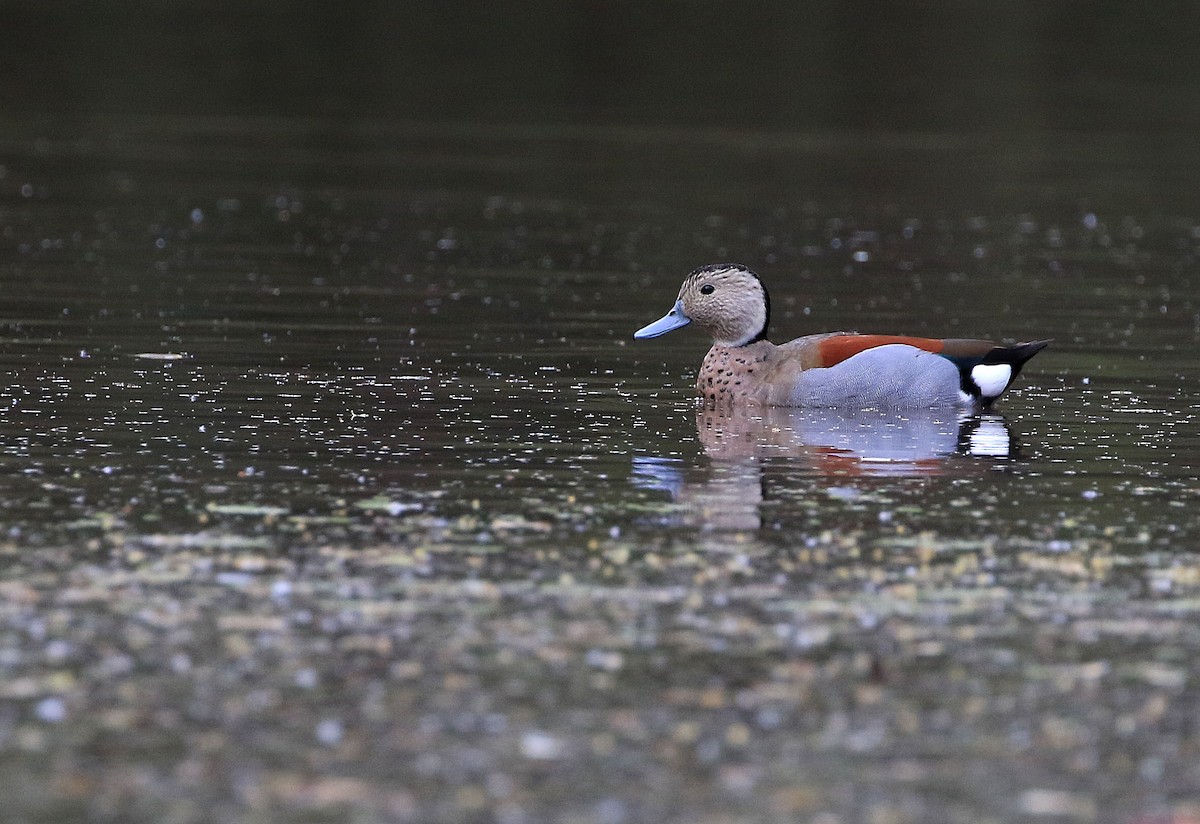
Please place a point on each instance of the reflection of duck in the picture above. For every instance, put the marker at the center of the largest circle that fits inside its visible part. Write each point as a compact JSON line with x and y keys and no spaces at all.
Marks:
{"x":745,"y":443}
{"x":986,"y":436}
{"x":837,"y":369}
{"x":729,"y":496}
{"x":868,"y":442}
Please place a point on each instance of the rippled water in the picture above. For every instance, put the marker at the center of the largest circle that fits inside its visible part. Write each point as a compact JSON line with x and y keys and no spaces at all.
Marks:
{"x":334,"y":484}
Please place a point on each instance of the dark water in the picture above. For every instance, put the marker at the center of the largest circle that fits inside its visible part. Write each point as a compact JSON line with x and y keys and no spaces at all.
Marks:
{"x":334,"y":487}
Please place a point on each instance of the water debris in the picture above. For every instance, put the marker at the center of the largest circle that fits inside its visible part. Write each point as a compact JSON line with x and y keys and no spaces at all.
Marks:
{"x":519,"y":523}
{"x":1057,"y":804}
{"x":538,"y":745}
{"x":51,"y":710}
{"x":260,"y":510}
{"x":329,"y":732}
{"x":389,"y":506}
{"x":162,"y":356}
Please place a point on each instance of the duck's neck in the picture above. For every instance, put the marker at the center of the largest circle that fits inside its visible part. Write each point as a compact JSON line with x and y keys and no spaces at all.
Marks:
{"x":731,"y":375}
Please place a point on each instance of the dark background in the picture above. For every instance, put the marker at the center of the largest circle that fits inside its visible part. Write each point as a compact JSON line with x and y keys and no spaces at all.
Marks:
{"x":908,"y":66}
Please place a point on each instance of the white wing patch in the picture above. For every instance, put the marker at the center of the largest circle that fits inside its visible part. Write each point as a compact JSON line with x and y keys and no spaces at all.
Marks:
{"x":991,"y":378}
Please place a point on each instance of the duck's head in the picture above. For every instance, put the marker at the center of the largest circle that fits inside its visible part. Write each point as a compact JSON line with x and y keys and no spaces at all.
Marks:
{"x":726,"y":300}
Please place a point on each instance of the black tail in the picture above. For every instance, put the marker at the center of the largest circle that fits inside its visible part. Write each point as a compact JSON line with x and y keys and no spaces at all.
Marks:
{"x":1015,"y":355}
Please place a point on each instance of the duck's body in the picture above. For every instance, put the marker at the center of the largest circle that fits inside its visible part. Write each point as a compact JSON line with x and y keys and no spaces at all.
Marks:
{"x":836,"y":369}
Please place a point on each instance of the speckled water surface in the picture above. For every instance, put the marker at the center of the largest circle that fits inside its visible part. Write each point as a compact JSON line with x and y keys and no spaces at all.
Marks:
{"x":334,"y":487}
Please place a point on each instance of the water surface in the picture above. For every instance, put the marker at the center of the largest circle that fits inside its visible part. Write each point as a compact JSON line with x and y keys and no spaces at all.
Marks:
{"x":335,"y":486}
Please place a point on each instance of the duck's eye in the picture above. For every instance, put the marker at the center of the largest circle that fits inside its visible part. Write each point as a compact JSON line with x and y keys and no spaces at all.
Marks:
{"x":707,"y":289}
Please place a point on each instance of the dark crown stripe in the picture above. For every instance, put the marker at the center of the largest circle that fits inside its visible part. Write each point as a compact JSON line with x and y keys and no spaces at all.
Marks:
{"x":762,"y":333}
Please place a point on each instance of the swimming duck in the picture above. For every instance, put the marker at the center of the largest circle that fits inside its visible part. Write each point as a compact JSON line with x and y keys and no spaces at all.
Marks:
{"x":835,"y":369}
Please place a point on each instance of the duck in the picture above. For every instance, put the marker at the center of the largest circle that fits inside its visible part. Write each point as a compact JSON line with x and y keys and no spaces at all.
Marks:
{"x":729,"y":302}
